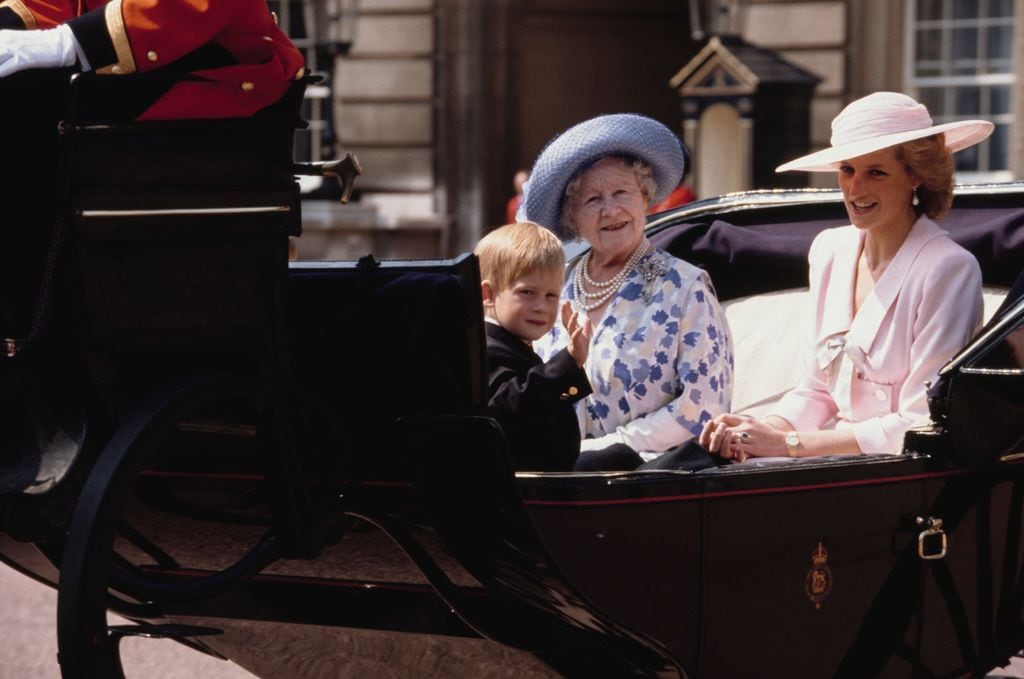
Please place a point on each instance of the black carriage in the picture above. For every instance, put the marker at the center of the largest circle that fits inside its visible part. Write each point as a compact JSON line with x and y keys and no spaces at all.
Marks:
{"x":289,"y":465}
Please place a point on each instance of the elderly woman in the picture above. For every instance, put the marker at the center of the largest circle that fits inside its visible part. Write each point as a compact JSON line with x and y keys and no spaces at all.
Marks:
{"x":893,"y":297}
{"x":660,"y":360}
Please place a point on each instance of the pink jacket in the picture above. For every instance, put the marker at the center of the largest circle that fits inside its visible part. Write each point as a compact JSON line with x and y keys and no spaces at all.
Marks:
{"x":868,"y":371}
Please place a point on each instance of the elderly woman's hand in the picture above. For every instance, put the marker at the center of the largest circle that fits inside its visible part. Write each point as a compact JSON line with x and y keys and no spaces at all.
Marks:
{"x":740,"y":437}
{"x":579,"y":333}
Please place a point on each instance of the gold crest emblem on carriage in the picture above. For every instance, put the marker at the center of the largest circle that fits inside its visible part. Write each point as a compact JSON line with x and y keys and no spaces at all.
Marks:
{"x":818,"y":582}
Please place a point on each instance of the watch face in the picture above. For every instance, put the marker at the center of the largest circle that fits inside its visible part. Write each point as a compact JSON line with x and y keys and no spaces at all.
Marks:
{"x":792,"y":439}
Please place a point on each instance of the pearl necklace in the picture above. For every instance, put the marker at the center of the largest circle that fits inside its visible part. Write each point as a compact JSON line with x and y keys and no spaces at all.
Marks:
{"x":588,"y":301}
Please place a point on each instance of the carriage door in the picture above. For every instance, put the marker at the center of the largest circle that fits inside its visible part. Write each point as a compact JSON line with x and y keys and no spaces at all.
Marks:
{"x":801,"y":560}
{"x":972,"y":602}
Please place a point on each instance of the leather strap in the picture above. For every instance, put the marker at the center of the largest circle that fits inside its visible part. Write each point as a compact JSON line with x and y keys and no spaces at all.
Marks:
{"x":12,"y":346}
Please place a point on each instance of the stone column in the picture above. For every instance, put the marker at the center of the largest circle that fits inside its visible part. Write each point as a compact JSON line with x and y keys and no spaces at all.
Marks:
{"x":459,"y":141}
{"x":1017,"y":133}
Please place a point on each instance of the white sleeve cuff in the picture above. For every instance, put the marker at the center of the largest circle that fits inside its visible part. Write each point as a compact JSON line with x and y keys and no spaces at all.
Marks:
{"x":70,"y":51}
{"x":879,"y":435}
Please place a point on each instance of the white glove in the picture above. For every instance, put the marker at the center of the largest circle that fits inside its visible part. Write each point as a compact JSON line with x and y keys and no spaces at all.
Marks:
{"x":50,"y":48}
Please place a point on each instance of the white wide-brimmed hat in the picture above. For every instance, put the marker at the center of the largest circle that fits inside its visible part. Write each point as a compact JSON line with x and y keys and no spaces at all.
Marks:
{"x":881,"y":120}
{"x":579,"y":147}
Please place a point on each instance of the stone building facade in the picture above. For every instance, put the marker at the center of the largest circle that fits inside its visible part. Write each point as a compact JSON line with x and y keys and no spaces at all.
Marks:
{"x":443,"y":100}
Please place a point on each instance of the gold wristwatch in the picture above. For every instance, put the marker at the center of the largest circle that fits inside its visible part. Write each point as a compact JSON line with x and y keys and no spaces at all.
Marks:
{"x":792,"y":443}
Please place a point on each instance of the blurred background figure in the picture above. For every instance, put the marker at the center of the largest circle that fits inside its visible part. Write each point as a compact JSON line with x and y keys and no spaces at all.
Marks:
{"x":516,"y":200}
{"x":681,"y":195}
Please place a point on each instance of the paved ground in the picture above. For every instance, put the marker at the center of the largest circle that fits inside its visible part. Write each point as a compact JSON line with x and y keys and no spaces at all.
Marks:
{"x":29,"y":641}
{"x":27,"y":628}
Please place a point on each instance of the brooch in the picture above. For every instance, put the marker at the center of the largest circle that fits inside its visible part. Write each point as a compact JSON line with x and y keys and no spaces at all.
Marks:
{"x":650,"y":271}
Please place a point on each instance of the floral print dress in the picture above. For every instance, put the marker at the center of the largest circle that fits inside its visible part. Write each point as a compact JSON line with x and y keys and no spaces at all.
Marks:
{"x":660,"y":360}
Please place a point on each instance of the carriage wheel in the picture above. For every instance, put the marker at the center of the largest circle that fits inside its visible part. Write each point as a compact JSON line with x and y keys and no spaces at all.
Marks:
{"x":94,"y":578}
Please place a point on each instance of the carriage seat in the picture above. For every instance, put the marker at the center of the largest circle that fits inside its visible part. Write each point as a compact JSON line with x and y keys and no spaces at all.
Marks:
{"x":771,"y":325}
{"x":376,"y":342}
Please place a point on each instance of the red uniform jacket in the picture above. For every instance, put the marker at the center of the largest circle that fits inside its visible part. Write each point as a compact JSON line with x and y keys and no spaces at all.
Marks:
{"x":249,"y":63}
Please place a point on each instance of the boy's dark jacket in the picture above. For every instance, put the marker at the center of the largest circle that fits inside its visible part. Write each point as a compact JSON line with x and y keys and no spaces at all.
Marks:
{"x":532,"y":401}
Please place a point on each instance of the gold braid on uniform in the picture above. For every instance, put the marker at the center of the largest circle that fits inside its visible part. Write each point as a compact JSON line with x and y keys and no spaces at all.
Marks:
{"x":19,"y":8}
{"x":119,"y":37}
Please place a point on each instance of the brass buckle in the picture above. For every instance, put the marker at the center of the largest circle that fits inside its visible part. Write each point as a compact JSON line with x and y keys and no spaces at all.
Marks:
{"x":926,"y":547}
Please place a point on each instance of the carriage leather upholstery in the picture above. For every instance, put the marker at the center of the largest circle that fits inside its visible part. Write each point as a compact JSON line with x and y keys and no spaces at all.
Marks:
{"x":771,"y":325}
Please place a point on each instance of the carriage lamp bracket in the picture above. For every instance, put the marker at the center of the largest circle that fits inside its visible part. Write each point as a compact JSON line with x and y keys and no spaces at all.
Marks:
{"x":932,"y":541}
{"x":345,"y":171}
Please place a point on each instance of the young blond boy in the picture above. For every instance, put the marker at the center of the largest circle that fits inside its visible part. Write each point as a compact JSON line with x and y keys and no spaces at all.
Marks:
{"x":521,"y":269}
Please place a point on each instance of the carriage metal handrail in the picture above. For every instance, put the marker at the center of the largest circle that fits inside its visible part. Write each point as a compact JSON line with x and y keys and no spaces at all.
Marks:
{"x":1008,"y":320}
{"x":262,"y":209}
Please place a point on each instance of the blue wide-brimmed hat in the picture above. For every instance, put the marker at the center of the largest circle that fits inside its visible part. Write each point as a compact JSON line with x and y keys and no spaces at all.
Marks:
{"x":579,"y":147}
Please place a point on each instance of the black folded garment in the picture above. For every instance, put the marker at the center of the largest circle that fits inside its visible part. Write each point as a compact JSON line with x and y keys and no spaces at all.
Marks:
{"x":689,"y":456}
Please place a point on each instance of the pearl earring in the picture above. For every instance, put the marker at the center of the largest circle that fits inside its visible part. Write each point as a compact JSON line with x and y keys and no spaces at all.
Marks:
{"x":915,"y":201}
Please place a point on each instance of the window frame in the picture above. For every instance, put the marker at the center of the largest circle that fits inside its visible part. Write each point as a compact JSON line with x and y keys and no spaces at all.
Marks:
{"x":948,"y":84}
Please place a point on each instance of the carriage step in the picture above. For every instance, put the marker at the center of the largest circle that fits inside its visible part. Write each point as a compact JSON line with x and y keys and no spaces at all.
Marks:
{"x":169,"y":631}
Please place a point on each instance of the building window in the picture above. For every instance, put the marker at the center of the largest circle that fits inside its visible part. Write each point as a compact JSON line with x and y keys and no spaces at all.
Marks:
{"x":959,"y":63}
